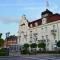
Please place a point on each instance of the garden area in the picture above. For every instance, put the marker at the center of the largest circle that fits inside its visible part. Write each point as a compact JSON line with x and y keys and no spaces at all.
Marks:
{"x":39,"y":48}
{"x":4,"y":52}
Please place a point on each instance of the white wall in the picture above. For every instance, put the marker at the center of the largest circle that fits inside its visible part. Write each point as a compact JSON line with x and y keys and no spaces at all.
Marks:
{"x":40,"y":32}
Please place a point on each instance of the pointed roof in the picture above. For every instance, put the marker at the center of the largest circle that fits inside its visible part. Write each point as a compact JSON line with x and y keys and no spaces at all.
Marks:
{"x":46,"y":11}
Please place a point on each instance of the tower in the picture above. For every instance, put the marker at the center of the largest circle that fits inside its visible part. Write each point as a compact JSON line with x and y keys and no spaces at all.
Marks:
{"x":23,"y":27}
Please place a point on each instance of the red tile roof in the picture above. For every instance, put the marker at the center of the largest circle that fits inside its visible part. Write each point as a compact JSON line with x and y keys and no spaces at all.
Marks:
{"x":39,"y":21}
{"x":52,"y":18}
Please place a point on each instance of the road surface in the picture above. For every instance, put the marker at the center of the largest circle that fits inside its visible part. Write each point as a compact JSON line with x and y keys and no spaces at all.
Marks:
{"x":29,"y":58}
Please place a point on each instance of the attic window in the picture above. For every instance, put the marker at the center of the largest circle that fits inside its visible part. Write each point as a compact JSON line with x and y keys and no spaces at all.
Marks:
{"x":30,"y":25}
{"x":36,"y":24}
{"x":43,"y":20}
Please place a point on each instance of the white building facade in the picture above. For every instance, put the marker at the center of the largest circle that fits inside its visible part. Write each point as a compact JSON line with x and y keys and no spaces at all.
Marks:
{"x":46,"y":29}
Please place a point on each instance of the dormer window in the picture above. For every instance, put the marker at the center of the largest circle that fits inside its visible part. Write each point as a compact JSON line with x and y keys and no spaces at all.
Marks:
{"x":36,"y":24}
{"x":46,"y":13}
{"x":43,"y":20}
{"x":30,"y":25}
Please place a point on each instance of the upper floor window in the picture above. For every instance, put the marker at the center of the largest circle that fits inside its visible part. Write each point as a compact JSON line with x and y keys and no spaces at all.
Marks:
{"x":46,"y":36}
{"x":30,"y":25}
{"x":42,"y":28}
{"x":45,"y":27}
{"x":53,"y":26}
{"x":22,"y":32}
{"x":30,"y":33}
{"x":36,"y":24}
{"x":42,"y":37}
{"x":43,"y":20}
{"x":35,"y":34}
{"x":55,"y":41}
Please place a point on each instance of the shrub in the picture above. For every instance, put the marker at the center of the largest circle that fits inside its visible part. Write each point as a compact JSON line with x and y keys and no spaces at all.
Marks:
{"x":58,"y":44}
{"x":41,"y":45}
{"x":25,"y":49}
{"x":26,"y":46}
{"x":33,"y":45}
{"x":4,"y":52}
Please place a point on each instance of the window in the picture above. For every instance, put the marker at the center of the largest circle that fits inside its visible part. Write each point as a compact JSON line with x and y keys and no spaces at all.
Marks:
{"x":30,"y":33}
{"x":42,"y":37}
{"x":22,"y":32}
{"x":43,"y":20}
{"x":46,"y":28}
{"x":54,"y":36}
{"x":53,"y":26}
{"x":35,"y":36}
{"x":30,"y":25}
{"x":46,"y":36}
{"x":41,"y":28}
{"x":36,"y":24}
{"x":55,"y":41}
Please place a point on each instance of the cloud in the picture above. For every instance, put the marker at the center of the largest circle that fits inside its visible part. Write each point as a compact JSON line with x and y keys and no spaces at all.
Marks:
{"x":9,"y":20}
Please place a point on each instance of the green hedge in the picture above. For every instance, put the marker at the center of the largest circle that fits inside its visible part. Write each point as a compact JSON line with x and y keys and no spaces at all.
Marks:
{"x":49,"y":52}
{"x":4,"y":52}
{"x":24,"y":51}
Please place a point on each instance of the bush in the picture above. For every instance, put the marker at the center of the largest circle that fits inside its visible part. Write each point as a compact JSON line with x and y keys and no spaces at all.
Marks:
{"x":4,"y":52}
{"x":58,"y":44}
{"x":24,"y":51}
{"x":48,"y":52}
{"x":33,"y":45}
{"x":26,"y":46}
{"x":41,"y":45}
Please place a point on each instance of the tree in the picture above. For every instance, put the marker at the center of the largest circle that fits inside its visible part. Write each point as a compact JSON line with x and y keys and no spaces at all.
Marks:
{"x":0,"y":35}
{"x":1,"y":40}
{"x":33,"y":45}
{"x":26,"y":46}
{"x":33,"y":48}
{"x":41,"y":45}
{"x":25,"y":49}
{"x":58,"y":44}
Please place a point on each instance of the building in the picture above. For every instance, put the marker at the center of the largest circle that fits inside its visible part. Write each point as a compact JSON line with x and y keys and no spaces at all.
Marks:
{"x":46,"y":28}
{"x":11,"y":42}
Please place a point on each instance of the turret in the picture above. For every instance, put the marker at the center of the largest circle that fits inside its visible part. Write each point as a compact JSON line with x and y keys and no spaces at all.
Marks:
{"x":46,"y":13}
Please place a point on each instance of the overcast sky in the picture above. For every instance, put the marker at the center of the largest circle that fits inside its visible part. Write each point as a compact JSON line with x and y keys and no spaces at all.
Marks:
{"x":11,"y":10}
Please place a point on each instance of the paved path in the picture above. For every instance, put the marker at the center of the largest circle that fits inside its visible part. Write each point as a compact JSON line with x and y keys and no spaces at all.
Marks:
{"x":30,"y":58}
